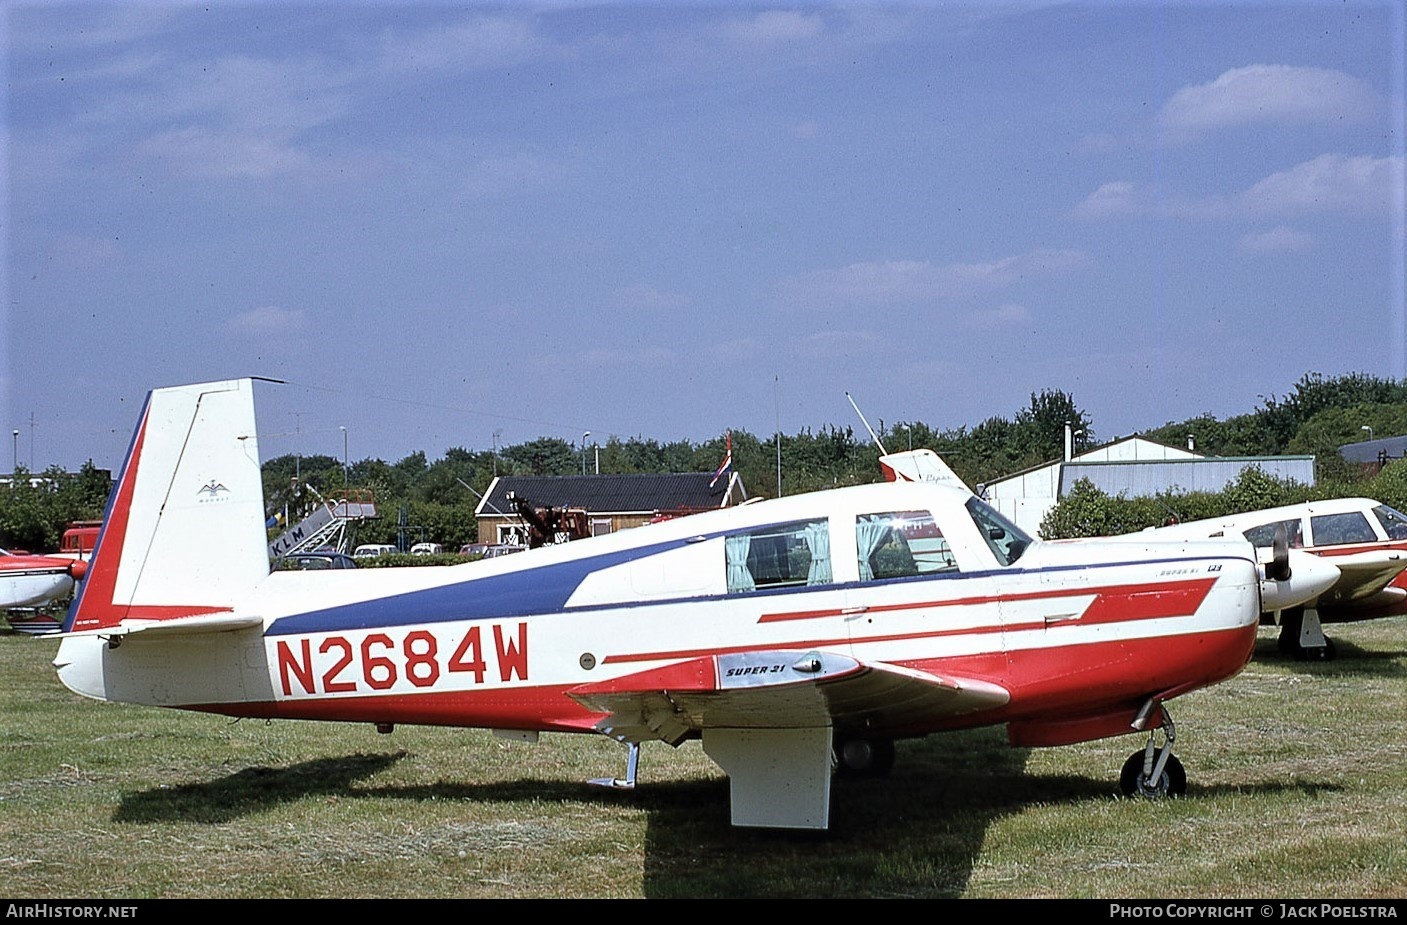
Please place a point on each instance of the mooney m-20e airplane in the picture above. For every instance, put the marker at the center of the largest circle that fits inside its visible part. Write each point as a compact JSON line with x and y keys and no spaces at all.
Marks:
{"x":1363,"y":541}
{"x":785,"y":634}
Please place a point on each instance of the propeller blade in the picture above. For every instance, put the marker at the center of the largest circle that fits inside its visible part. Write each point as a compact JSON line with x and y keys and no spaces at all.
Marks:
{"x":1278,"y":569}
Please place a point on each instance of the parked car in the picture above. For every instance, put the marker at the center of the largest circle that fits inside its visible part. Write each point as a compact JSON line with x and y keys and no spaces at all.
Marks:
{"x":489,"y":550}
{"x":372,"y":550}
{"x":314,"y":560}
{"x":426,"y":549}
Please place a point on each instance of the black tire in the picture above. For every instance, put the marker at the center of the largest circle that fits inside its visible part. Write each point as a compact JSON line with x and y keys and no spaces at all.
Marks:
{"x":1324,"y":653}
{"x":1289,"y":641}
{"x":1172,"y":782}
{"x":863,"y":757}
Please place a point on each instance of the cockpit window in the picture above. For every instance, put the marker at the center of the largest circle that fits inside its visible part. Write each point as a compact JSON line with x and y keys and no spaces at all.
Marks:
{"x":1341,"y":529}
{"x":1006,"y":540}
{"x":1264,"y":535}
{"x":897,"y":544}
{"x":1393,"y":521}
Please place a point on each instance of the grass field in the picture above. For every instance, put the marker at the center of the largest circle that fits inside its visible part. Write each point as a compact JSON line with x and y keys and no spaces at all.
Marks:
{"x":1297,"y":789}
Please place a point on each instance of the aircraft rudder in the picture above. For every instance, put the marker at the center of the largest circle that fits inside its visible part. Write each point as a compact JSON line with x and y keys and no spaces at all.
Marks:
{"x":183,"y":531}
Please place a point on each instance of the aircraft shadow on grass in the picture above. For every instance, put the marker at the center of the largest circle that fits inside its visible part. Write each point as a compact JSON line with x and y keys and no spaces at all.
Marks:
{"x":1351,"y":660}
{"x":917,"y":832}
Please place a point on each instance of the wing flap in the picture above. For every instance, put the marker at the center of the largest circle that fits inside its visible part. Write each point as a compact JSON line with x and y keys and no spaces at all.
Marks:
{"x":780,"y":689}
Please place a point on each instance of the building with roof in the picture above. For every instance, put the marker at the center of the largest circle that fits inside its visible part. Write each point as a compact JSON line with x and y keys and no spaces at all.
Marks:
{"x":1133,"y":467}
{"x":611,"y":502}
{"x":1375,"y":452}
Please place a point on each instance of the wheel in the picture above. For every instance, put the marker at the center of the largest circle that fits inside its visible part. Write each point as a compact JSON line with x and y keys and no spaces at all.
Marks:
{"x":1171,"y":783}
{"x":860,"y":757}
{"x":1289,"y":641}
{"x":1324,"y":653}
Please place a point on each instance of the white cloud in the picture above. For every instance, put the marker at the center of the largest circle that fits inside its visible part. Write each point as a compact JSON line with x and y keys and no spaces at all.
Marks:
{"x":905,"y":281}
{"x":775,"y":27}
{"x":201,"y":152}
{"x":1001,"y":316}
{"x":835,"y":344}
{"x":268,"y":321}
{"x":478,"y":43}
{"x":1329,"y":183}
{"x":1268,"y":93}
{"x":1361,"y":185}
{"x":1275,"y":241}
{"x":1117,"y":197}
{"x":743,"y":348}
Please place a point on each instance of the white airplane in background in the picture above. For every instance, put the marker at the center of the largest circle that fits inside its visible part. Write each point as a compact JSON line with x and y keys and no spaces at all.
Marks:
{"x":31,"y":581}
{"x":1364,"y":540}
{"x":785,"y":634}
{"x":1290,"y":578}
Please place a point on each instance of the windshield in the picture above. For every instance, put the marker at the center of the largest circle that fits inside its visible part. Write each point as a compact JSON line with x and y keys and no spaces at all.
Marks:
{"x":1394,"y":522}
{"x":1007,"y":541}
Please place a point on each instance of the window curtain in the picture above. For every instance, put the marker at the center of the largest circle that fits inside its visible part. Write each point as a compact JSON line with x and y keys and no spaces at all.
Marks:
{"x":870,"y":534}
{"x":739,"y":578}
{"x":818,"y":537}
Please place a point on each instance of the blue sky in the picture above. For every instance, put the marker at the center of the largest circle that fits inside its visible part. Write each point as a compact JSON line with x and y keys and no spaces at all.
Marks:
{"x":450,"y":224}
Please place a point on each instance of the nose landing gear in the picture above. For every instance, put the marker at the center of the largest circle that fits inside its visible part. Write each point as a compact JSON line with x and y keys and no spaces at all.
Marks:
{"x":1154,"y":771}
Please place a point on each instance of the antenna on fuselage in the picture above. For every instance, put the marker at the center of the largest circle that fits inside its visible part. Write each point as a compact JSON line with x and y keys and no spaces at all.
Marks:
{"x":882,"y":450}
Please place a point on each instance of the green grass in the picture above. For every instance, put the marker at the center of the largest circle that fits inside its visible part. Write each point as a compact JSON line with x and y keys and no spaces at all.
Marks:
{"x":1297,"y":789}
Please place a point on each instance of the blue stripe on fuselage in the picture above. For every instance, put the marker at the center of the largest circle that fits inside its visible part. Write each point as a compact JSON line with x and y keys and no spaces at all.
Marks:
{"x":544,"y":589}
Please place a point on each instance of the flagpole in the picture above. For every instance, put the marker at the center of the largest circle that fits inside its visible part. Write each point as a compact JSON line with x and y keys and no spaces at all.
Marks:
{"x":777,"y":409}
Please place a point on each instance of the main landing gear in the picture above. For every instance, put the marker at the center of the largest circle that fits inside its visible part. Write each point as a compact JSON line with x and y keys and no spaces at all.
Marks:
{"x":632,"y":766}
{"x":1154,"y":771}
{"x":1302,"y":636}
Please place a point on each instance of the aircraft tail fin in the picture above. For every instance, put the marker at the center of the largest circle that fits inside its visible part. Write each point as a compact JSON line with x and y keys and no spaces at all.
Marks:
{"x":183,"y":533}
{"x":919,"y":466}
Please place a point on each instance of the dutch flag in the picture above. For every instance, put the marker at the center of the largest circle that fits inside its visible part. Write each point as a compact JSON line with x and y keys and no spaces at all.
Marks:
{"x":727,"y":462}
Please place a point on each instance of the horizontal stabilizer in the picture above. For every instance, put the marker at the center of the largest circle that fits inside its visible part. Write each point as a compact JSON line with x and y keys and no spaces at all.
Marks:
{"x":178,"y":626}
{"x":919,"y":466}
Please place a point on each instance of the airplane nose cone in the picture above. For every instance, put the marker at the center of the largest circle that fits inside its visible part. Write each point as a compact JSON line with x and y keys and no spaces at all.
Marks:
{"x":78,"y":569}
{"x":1310,"y":576}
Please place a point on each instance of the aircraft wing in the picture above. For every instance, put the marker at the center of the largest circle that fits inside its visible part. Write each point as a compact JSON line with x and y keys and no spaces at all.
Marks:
{"x":1364,"y":578}
{"x":783,"y":689}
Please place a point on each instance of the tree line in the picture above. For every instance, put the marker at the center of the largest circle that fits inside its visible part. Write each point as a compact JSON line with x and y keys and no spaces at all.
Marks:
{"x":420,"y":499}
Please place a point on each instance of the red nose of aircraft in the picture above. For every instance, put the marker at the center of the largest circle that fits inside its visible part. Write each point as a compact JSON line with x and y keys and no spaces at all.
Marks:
{"x":78,"y":569}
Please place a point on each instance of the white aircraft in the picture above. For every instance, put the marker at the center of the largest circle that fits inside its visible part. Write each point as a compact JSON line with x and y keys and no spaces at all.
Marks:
{"x":1364,"y":541}
{"x":785,"y":634}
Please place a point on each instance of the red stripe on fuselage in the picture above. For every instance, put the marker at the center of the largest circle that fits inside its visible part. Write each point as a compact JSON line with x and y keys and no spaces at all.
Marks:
{"x":1049,"y":684}
{"x":1117,"y":604}
{"x":1111,"y":604}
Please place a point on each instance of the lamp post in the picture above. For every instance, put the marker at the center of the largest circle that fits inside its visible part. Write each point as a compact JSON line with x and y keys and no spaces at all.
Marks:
{"x":583,"y":451}
{"x":343,"y":428}
{"x":1364,"y":427}
{"x":17,"y":451}
{"x":910,"y":432}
